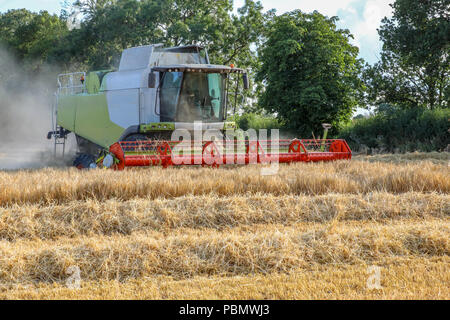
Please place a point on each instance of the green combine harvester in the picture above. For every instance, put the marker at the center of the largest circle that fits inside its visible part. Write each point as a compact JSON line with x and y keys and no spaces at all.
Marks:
{"x":128,"y":117}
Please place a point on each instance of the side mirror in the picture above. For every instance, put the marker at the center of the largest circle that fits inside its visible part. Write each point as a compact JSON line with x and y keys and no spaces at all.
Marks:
{"x":152,"y":80}
{"x":246,"y":82}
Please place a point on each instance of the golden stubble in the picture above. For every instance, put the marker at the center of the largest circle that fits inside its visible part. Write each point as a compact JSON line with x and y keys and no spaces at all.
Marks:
{"x":309,"y":232}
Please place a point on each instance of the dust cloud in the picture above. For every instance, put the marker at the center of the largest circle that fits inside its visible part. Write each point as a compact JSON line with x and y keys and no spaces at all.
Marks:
{"x":25,"y":115}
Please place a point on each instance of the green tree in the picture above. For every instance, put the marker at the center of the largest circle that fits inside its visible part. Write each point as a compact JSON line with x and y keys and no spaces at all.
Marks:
{"x":91,"y":7}
{"x":36,"y":40}
{"x":310,"y":72}
{"x":414,"y":66}
{"x":108,"y":30}
{"x":111,"y":26}
{"x":10,"y":21}
{"x":32,"y":37}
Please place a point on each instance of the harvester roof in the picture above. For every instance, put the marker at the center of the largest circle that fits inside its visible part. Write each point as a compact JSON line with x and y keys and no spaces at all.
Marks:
{"x":188,"y":48}
{"x":204,"y":68}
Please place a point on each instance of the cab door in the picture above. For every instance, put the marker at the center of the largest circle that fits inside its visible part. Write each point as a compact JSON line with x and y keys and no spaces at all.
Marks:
{"x":149,"y":104}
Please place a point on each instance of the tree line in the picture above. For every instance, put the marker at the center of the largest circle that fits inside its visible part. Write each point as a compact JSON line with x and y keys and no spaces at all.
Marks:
{"x":305,"y":70}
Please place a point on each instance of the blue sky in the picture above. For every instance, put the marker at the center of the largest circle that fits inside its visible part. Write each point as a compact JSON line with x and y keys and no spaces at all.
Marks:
{"x":361,"y":17}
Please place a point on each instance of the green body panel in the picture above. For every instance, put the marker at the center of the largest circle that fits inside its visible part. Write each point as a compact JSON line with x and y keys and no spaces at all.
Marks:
{"x":159,"y":126}
{"x":67,"y":107}
{"x":87,"y":116}
{"x":92,"y":83}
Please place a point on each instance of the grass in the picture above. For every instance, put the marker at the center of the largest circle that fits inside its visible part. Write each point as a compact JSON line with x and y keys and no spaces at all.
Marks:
{"x":310,"y":232}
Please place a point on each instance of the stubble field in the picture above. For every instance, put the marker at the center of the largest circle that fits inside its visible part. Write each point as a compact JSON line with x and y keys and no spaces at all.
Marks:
{"x":313,"y":231}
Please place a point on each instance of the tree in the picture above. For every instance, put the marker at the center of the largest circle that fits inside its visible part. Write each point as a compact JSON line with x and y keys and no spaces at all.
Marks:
{"x":36,"y":40}
{"x":32,"y":37}
{"x":111,"y":26}
{"x":91,"y":7}
{"x":310,"y":72}
{"x":12,"y":20}
{"x":414,"y":66}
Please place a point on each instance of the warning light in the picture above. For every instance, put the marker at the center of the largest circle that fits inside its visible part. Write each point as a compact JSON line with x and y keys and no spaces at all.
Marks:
{"x":82,"y":79}
{"x":232,"y":66}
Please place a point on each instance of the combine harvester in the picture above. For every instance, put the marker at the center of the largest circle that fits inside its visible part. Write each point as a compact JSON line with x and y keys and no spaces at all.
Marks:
{"x":128,"y":117}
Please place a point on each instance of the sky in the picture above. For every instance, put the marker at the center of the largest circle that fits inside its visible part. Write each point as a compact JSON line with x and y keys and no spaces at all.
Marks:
{"x":361,"y":17}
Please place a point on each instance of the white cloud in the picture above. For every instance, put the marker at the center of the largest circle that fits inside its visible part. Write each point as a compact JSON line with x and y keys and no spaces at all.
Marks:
{"x":365,"y":28}
{"x":374,"y":12}
{"x":361,"y":17}
{"x":327,"y":7}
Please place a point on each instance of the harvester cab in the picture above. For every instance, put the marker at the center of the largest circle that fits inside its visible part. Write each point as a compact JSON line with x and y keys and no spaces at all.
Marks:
{"x":155,"y":91}
{"x":126,"y":117}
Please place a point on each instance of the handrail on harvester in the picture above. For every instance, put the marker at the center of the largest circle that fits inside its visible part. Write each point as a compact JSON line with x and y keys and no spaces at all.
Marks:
{"x":215,"y":153}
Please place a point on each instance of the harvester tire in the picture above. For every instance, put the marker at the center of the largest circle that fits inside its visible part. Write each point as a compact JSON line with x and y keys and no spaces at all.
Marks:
{"x":84,"y":161}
